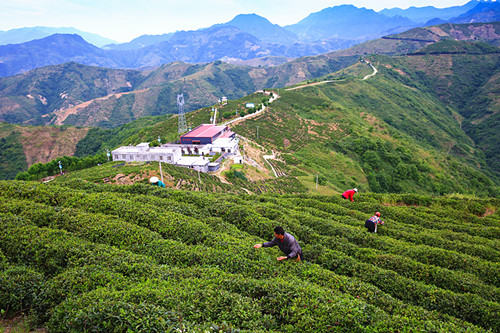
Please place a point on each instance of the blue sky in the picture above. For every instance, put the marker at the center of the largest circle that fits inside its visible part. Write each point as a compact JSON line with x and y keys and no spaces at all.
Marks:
{"x":123,"y":20}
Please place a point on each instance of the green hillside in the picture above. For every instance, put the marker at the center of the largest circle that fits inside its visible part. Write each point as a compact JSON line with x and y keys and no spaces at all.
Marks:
{"x":78,"y":257}
{"x":74,"y":94}
{"x":12,"y":155}
{"x":390,"y":133}
{"x":464,"y":76}
{"x":78,"y":95}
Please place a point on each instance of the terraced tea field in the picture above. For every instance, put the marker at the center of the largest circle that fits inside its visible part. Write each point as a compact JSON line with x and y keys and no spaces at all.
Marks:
{"x":81,"y":257}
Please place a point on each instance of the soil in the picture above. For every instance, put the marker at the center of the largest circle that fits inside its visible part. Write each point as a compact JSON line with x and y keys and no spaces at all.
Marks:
{"x":18,"y":324}
{"x":43,"y":144}
{"x":62,"y":114}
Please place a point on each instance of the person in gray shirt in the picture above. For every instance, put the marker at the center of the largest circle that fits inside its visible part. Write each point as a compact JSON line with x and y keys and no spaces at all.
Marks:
{"x":287,"y":244}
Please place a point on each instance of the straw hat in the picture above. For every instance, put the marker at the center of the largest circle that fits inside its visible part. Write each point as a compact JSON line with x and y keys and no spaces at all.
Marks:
{"x":153,"y":179}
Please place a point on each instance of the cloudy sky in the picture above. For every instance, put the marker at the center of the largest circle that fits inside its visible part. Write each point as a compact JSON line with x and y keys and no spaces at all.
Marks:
{"x":123,"y":20}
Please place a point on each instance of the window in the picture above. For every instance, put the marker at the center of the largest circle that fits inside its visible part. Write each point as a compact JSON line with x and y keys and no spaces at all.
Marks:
{"x":169,"y":158}
{"x":161,"y":158}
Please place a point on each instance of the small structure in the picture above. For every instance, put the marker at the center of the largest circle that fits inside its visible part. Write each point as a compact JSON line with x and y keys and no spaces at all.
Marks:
{"x":194,"y":162}
{"x":250,"y":105}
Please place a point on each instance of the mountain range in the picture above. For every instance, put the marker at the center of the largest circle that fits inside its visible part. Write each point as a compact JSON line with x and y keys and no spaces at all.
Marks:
{"x":430,"y":90}
{"x":246,"y":37}
{"x":76,"y":94}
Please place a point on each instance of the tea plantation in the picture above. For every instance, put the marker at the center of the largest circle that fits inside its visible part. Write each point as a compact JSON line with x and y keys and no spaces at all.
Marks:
{"x":83,"y":257}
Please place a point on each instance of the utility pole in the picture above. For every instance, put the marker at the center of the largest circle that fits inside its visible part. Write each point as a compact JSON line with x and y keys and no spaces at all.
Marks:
{"x":182,"y":117}
{"x":161,"y":173}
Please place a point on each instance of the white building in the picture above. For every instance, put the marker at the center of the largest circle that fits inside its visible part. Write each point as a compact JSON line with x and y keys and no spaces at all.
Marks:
{"x":221,"y":140}
{"x":143,"y":153}
{"x":198,"y":163}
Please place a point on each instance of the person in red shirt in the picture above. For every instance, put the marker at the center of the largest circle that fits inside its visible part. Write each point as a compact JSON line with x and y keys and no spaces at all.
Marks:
{"x":349,"y":194}
{"x":371,"y":223}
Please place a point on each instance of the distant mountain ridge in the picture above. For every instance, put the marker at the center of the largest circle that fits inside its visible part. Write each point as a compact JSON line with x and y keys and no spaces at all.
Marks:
{"x":347,"y":22}
{"x":486,"y":11}
{"x":423,"y":15}
{"x":263,"y":29}
{"x":55,"y":49}
{"x":245,"y":37}
{"x":22,"y":35}
{"x":199,"y":46}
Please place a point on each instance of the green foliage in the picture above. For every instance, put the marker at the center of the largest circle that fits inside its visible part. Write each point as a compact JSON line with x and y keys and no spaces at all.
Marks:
{"x":69,"y":163}
{"x":80,"y":256}
{"x":12,"y":156}
{"x":232,"y":174}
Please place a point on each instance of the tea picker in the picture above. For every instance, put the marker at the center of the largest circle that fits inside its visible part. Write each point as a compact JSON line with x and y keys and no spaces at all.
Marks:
{"x":372,"y":222}
{"x":287,"y":244}
{"x":156,"y":182}
{"x":349,"y":194}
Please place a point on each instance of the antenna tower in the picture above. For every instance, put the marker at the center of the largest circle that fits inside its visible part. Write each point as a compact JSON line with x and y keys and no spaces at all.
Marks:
{"x":182,"y":117}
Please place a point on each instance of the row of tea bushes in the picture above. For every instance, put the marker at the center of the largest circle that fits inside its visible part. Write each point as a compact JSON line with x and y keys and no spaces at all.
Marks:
{"x":110,"y":258}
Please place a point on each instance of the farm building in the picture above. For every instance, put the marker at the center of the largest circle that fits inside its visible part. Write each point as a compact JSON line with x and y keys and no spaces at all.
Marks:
{"x":142,"y":152}
{"x":200,"y":143}
{"x":206,"y":134}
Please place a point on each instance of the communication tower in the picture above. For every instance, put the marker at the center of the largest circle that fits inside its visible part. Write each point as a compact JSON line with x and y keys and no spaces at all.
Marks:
{"x":182,"y":117}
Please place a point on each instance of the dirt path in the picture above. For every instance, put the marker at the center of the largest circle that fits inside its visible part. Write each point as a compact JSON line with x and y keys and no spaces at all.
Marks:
{"x":62,"y":114}
{"x":375,"y":71}
{"x":312,"y":84}
{"x":251,"y":115}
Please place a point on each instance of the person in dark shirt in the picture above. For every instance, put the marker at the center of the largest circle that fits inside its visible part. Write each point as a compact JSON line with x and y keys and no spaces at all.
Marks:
{"x":287,"y":244}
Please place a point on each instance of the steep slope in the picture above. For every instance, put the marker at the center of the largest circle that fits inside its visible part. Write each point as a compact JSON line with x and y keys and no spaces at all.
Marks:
{"x":40,"y":96}
{"x":388,"y":132}
{"x":464,"y":75}
{"x":55,"y":49}
{"x":23,"y":146}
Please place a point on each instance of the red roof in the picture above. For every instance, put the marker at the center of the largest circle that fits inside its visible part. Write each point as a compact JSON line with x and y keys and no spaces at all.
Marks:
{"x":204,"y":131}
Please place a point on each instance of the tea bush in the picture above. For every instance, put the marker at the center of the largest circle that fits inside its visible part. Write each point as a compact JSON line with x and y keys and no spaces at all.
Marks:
{"x":95,"y":257}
